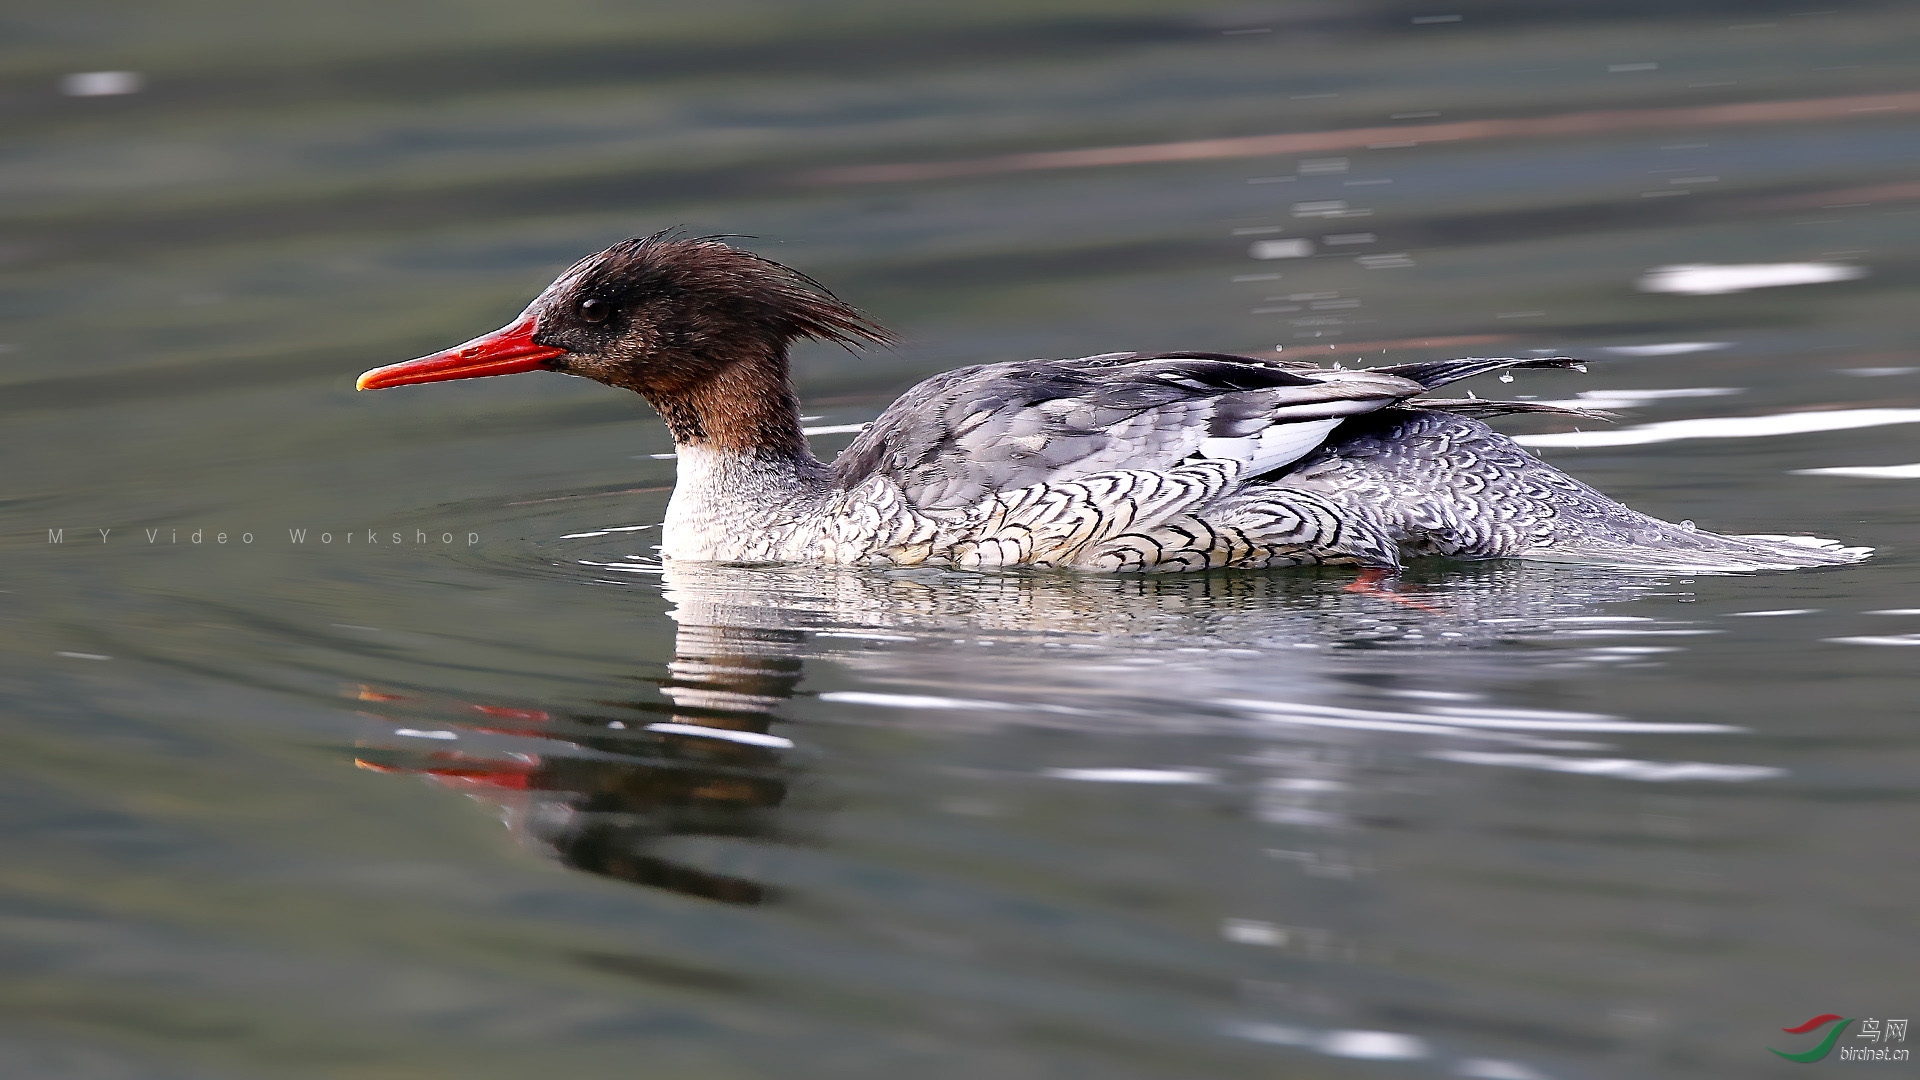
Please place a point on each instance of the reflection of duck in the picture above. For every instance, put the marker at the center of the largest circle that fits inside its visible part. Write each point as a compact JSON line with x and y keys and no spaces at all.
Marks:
{"x":1124,"y":461}
{"x":600,"y":795}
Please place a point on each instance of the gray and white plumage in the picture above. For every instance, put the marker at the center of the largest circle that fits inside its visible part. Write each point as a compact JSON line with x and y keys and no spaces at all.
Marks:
{"x":1132,"y":462}
{"x":964,"y":435}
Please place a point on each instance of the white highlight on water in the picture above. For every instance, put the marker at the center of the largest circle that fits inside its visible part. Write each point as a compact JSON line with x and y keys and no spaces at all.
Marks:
{"x":1627,"y":399}
{"x":1658,"y":772}
{"x":1372,"y":1045}
{"x":924,"y":701}
{"x":1887,"y":639}
{"x":1666,"y":348}
{"x":1346,"y":1043}
{"x":1135,"y":776}
{"x":1710,"y":279}
{"x":1295,"y":248}
{"x":1726,"y":427}
{"x":751,"y":738}
{"x":1871,"y":472}
{"x":609,"y":529}
{"x":1446,"y":720}
{"x":102,"y":83}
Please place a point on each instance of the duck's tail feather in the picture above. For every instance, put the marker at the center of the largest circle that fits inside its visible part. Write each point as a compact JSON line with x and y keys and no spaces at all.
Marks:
{"x":1819,"y":550}
{"x":1480,"y":409}
{"x":1441,"y":372}
{"x":1680,"y":548}
{"x":1444,"y":484}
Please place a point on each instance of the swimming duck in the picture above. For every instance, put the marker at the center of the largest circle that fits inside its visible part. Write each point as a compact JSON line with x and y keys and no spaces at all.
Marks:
{"x":1117,"y":462}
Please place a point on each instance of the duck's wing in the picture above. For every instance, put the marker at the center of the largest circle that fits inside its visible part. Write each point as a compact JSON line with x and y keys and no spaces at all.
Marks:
{"x":1436,"y":373}
{"x":959,"y":437}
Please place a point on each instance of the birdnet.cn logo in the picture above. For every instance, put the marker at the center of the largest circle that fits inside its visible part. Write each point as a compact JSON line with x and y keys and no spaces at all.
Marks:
{"x":1873,"y":1040}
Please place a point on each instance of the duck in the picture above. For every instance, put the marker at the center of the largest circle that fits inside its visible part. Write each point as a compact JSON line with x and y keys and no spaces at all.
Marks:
{"x":1116,"y":462}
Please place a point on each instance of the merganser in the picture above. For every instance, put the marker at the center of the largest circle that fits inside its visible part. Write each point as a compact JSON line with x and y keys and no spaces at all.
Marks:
{"x":1116,"y":462}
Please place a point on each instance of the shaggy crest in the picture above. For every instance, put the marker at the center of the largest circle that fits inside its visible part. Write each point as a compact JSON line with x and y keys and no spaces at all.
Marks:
{"x":709,"y":276}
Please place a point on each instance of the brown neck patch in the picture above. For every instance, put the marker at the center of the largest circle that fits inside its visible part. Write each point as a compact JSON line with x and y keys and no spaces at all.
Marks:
{"x":746,"y":405}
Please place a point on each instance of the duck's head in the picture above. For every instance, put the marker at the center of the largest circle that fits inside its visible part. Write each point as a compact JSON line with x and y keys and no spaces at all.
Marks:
{"x":662,"y":315}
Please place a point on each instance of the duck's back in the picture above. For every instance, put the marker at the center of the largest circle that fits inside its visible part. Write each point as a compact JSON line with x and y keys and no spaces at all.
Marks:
{"x":965,"y":435}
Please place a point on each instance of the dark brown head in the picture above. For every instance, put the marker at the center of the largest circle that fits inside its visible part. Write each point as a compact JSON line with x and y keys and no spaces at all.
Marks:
{"x":697,"y":326}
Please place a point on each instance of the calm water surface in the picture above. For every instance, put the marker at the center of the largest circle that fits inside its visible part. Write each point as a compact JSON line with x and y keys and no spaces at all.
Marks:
{"x":429,"y":768}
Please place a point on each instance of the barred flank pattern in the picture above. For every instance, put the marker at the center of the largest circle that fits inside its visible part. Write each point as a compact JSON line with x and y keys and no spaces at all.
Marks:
{"x":1449,"y":485}
{"x":1062,"y":524}
{"x":1149,"y":464}
{"x":1196,"y":517}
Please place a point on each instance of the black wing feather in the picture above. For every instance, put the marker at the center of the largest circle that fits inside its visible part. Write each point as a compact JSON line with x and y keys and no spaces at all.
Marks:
{"x":1438,"y":373}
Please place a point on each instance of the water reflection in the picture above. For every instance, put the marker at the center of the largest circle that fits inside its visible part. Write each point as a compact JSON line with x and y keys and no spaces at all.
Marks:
{"x":1253,"y":806}
{"x":599,"y":790}
{"x":1309,"y":669}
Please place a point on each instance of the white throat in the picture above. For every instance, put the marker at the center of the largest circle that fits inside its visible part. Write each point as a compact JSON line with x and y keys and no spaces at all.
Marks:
{"x":733,"y":506}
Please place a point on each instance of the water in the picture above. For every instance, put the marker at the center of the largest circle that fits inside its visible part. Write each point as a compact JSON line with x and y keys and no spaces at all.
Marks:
{"x":764,"y":822}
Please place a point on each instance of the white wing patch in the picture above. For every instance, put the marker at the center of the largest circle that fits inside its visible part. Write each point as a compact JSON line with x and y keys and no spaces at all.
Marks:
{"x":1281,"y":444}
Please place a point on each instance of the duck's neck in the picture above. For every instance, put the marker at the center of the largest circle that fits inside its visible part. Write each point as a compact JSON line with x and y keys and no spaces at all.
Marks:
{"x":742,"y":405}
{"x":744,"y":468}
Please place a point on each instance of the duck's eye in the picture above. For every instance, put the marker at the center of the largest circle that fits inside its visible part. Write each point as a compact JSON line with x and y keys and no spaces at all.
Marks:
{"x":594,"y":311}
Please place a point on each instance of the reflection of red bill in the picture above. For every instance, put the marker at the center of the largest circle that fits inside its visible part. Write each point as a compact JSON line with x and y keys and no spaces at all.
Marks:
{"x":460,"y":771}
{"x":501,"y":712}
{"x":497,"y":712}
